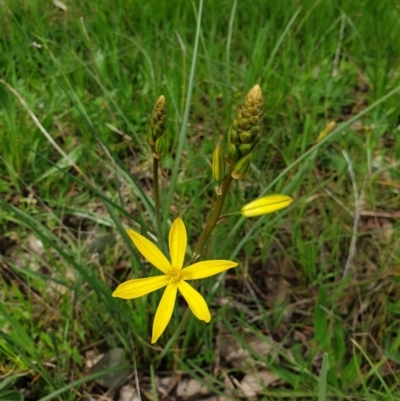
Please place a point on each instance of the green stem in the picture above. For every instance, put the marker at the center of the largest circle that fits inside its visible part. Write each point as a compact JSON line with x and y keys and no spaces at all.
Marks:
{"x":213,"y":220}
{"x":156,"y":193}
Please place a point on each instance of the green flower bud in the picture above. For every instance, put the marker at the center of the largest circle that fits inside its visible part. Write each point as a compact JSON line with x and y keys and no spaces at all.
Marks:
{"x":234,"y":137}
{"x":243,"y":123}
{"x":233,"y":154}
{"x":150,"y":139}
{"x":266,"y":204}
{"x":240,"y":168}
{"x":158,"y":147}
{"x":255,"y":123}
{"x":245,"y":148}
{"x":245,"y":136}
{"x":218,"y":164}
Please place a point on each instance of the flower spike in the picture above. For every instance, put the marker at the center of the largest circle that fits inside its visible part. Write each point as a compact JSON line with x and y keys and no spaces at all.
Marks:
{"x":244,"y":133}
{"x":158,"y":124}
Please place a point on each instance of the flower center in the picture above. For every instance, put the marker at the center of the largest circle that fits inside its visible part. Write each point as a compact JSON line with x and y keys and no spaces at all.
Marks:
{"x":175,"y":275}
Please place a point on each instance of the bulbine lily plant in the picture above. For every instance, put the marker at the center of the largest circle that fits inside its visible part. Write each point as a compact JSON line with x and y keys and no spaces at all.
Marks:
{"x":243,"y":137}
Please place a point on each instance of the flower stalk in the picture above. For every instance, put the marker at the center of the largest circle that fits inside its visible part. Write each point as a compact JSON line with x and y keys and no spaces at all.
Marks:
{"x":213,"y":220}
{"x":157,"y":126}
{"x":243,"y":137}
{"x":156,"y":194}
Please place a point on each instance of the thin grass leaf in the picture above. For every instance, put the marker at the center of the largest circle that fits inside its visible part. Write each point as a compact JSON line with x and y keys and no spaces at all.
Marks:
{"x":323,"y":377}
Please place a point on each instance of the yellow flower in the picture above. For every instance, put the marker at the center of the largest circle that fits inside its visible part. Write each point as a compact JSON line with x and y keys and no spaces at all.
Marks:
{"x":266,"y":204}
{"x":174,"y":277}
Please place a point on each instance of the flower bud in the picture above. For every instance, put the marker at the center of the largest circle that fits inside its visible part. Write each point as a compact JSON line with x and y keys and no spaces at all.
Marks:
{"x":245,"y":148}
{"x":158,"y":147}
{"x":233,"y":154}
{"x":266,"y":204}
{"x":218,"y":164}
{"x":245,"y":136}
{"x":234,"y":137}
{"x":240,"y":168}
{"x":327,"y":130}
{"x":150,"y":138}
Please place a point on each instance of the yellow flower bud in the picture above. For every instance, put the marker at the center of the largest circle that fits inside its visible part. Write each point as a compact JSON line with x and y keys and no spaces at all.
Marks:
{"x":218,"y":164}
{"x":266,"y":204}
{"x":240,"y":168}
{"x":327,"y":130}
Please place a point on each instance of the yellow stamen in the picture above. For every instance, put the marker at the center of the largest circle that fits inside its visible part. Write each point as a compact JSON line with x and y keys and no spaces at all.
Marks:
{"x":175,"y":275}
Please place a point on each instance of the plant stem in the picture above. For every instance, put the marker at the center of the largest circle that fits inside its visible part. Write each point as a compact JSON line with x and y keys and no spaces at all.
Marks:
{"x":156,"y":193}
{"x":213,"y":220}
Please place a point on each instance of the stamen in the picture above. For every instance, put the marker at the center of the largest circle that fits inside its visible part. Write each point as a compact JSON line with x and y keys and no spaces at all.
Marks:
{"x":175,"y":275}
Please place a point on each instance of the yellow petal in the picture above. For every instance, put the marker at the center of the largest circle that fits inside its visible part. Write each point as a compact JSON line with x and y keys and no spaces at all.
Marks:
{"x":177,"y":243}
{"x":164,"y":311}
{"x":266,"y":204}
{"x":206,"y":269}
{"x":195,"y":300}
{"x":139,"y":287}
{"x":150,"y":251}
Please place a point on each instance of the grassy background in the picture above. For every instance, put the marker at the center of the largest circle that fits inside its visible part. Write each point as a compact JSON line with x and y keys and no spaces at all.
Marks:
{"x":90,"y":76}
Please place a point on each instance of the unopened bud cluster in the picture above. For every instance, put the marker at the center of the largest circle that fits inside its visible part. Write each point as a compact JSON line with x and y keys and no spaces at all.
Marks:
{"x":245,"y":132}
{"x":158,"y":124}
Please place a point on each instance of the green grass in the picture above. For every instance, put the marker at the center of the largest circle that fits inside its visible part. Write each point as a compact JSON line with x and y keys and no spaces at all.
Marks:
{"x":90,"y":75}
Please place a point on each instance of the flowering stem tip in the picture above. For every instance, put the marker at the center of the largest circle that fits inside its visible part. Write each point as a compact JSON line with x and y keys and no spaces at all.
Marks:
{"x":173,"y":278}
